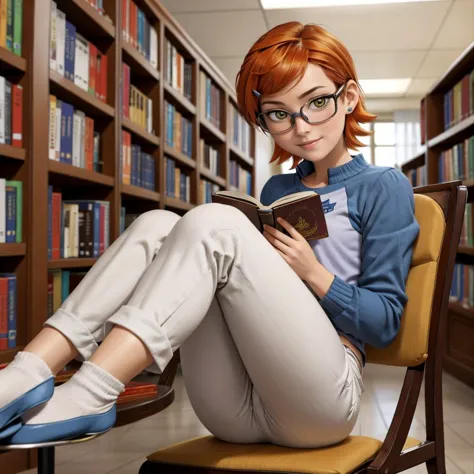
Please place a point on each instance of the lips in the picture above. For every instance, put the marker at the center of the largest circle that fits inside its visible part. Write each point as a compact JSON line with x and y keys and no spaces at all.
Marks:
{"x":310,"y":142}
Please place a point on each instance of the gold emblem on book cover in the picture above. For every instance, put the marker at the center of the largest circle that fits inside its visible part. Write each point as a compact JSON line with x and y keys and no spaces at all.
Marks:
{"x":303,"y":226}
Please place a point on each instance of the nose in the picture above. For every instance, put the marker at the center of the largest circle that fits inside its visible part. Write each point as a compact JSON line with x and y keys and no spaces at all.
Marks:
{"x":301,"y":127}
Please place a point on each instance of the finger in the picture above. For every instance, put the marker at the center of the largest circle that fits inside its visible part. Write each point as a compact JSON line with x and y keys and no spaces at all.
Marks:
{"x":277,"y":243}
{"x":289,"y":228}
{"x":279,"y":235}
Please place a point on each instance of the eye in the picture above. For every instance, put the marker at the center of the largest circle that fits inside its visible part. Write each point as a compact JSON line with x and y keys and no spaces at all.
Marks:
{"x":319,"y":102}
{"x":277,"y":115}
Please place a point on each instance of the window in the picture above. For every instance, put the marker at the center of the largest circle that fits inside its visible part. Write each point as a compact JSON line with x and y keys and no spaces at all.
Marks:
{"x":379,"y":148}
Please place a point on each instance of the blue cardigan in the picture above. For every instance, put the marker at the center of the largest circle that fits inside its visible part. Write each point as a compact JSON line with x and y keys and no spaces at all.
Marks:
{"x":369,"y":211}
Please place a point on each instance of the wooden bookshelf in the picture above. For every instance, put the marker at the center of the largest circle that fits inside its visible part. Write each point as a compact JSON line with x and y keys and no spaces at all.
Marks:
{"x":32,"y":165}
{"x":459,"y":359}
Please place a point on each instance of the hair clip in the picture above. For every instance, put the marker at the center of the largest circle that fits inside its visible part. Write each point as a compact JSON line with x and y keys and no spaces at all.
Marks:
{"x":256,"y":94}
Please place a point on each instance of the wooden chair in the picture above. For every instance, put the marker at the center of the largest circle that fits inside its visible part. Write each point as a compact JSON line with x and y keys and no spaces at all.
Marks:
{"x":419,"y":347}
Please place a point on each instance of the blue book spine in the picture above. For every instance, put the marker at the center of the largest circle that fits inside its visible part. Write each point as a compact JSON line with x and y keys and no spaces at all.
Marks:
{"x":70,"y":51}
{"x":10,"y":225}
{"x":69,"y":132}
{"x":12,"y":311}
{"x":65,"y":284}
{"x":96,"y":229}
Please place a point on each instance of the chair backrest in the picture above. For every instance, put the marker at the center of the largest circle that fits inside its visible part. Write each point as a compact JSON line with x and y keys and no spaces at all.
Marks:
{"x":439,"y":210}
{"x":419,"y":346}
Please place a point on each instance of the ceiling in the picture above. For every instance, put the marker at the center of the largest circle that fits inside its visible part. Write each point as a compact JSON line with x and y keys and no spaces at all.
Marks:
{"x":400,"y":40}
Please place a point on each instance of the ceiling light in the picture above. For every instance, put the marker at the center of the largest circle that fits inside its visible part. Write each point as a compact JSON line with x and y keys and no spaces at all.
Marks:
{"x":282,"y":4}
{"x":384,"y":86}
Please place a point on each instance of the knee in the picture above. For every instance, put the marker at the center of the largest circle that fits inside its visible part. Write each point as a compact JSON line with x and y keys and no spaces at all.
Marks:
{"x":157,"y":218}
{"x":215,"y":216}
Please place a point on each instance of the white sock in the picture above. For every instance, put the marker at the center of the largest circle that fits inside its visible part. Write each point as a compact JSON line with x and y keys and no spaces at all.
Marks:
{"x":91,"y":391}
{"x":22,"y":374}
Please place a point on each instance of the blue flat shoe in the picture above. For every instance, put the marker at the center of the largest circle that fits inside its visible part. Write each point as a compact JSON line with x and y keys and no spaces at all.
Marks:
{"x":11,"y":429}
{"x":59,"y":430}
{"x":37,"y":395}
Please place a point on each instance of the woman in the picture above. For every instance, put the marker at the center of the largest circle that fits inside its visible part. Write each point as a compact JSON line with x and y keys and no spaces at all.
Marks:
{"x":271,"y":331}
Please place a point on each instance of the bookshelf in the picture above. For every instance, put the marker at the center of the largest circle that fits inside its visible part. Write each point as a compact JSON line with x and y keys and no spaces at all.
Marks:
{"x":447,"y":127}
{"x":123,"y":149}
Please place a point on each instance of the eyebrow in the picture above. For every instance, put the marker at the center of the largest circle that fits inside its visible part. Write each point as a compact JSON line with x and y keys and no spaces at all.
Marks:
{"x":299,"y":97}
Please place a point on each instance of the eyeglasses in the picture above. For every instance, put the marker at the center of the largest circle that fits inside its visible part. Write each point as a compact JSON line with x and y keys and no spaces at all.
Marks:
{"x":316,"y":110}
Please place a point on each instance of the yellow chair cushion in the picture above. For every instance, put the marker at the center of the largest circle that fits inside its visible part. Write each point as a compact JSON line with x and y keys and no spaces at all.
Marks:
{"x":410,"y":347}
{"x":209,"y":452}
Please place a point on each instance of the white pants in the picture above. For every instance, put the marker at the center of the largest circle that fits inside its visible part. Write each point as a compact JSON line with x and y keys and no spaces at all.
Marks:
{"x":261,"y":360}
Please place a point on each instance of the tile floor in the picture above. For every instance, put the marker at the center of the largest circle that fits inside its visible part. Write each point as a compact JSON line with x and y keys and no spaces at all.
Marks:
{"x":124,"y":449}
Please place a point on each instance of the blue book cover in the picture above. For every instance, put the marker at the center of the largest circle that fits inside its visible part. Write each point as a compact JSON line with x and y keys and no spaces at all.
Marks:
{"x":67,"y":115}
{"x":70,"y":51}
{"x":10,"y":225}
{"x":65,"y":284}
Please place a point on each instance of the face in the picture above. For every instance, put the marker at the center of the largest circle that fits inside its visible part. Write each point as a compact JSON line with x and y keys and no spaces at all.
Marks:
{"x":313,"y":142}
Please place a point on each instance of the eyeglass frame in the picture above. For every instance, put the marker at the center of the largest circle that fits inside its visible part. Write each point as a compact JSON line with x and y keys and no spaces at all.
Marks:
{"x":335,"y":96}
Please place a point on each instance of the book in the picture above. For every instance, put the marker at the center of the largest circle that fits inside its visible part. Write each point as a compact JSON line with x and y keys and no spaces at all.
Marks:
{"x":303,"y":210}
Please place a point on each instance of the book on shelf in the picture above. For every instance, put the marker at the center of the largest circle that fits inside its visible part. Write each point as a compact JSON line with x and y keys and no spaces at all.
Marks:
{"x":178,"y":71}
{"x":458,"y":101}
{"x":138,"y":31}
{"x":462,"y":287}
{"x":179,"y":131}
{"x":240,"y":177}
{"x":61,"y":283}
{"x":178,"y":182}
{"x":303,"y":210}
{"x":72,"y":138}
{"x":11,"y":215}
{"x":136,"y":106}
{"x":457,"y":162}
{"x":77,"y":228}
{"x":11,"y":113}
{"x":75,"y":58}
{"x":211,"y":99}
{"x":11,"y":25}
{"x":240,"y":131}
{"x":8,"y":310}
{"x":207,"y":189}
{"x":136,"y":166}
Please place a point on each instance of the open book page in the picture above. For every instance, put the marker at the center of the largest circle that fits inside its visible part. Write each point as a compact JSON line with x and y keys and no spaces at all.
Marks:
{"x":291,"y":198}
{"x":241,"y":196}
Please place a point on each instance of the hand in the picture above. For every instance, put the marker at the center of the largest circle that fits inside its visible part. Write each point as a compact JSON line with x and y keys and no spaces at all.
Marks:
{"x":294,"y":249}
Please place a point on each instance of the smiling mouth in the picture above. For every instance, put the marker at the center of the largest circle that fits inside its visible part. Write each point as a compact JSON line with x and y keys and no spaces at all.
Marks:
{"x":308,"y":143}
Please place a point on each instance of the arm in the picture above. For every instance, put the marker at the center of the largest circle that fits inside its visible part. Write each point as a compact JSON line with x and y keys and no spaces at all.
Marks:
{"x":371,"y":310}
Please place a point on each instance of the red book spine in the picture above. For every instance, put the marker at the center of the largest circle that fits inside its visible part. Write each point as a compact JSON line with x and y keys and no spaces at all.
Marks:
{"x":56,"y":250}
{"x":103,"y":77}
{"x":3,"y":313}
{"x":102,"y":229}
{"x":124,"y":19}
{"x":17,"y":114}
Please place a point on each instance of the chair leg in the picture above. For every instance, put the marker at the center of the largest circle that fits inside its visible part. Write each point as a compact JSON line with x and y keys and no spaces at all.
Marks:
{"x":46,"y":460}
{"x":436,"y":465}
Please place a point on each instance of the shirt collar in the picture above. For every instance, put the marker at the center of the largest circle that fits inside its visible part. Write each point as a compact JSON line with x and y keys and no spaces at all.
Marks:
{"x":337,"y":174}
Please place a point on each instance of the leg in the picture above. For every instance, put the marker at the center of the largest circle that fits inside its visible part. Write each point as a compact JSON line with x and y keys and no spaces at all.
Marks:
{"x":78,"y":325}
{"x":288,"y":346}
{"x":218,"y":385}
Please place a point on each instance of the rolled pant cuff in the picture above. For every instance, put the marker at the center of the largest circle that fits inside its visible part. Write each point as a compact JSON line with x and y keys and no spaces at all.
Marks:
{"x":74,"y":329}
{"x":146,"y":327}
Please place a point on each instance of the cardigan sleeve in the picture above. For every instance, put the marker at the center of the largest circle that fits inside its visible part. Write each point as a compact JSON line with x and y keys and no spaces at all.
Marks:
{"x":371,"y":309}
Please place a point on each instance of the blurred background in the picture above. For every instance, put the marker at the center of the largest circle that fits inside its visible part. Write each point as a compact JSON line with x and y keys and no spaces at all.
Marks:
{"x":401,"y":49}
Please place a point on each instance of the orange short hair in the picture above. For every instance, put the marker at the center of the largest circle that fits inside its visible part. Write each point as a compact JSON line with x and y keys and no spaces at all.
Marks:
{"x":281,"y":57}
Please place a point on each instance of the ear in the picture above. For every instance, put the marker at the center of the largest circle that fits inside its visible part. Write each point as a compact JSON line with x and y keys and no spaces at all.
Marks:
{"x":351,"y":96}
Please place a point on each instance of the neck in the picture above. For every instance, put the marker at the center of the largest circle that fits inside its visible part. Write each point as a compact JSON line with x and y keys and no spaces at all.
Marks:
{"x":337,"y":157}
